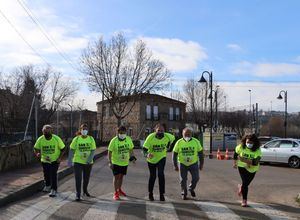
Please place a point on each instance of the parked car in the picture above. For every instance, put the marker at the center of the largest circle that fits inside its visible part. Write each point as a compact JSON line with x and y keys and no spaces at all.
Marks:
{"x":282,"y":150}
{"x":265,"y":139}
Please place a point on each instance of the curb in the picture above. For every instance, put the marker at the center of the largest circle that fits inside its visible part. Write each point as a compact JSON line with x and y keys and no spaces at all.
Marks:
{"x":38,"y":185}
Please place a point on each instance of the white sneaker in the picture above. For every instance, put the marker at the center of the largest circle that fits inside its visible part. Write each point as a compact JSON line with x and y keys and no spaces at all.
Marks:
{"x":52,"y":193}
{"x":47,"y":189}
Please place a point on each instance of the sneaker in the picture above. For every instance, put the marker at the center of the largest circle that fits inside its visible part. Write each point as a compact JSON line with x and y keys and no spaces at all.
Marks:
{"x":87,"y":194}
{"x":116,"y":196}
{"x":47,"y":189}
{"x":184,"y":197}
{"x":162,"y":197}
{"x":151,"y":198}
{"x":52,"y":193}
{"x":244,"y":203}
{"x":193,"y":194}
{"x":239,"y":190}
{"x":121,"y":193}
{"x":78,"y":199}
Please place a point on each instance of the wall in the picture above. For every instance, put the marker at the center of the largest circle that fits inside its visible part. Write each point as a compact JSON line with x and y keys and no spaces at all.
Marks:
{"x":16,"y":156}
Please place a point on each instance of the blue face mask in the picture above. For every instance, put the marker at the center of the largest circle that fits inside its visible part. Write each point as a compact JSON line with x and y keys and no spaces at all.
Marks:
{"x":248,"y":145}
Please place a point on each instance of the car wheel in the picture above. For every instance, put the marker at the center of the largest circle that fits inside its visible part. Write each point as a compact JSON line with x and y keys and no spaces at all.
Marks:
{"x":294,"y":162}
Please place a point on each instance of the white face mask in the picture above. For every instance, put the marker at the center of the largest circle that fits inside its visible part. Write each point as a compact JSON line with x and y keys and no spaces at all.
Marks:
{"x":249,"y":145}
{"x":122,"y":136}
{"x":187,"y":139}
{"x":84,"y":132}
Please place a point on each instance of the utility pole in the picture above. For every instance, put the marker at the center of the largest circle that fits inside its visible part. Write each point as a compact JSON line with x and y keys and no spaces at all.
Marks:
{"x":36,"y":116}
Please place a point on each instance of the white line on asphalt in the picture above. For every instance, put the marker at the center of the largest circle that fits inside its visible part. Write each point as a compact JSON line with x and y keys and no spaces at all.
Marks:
{"x":216,"y":210}
{"x":44,"y":208}
{"x":161,"y":210}
{"x":104,"y":208}
{"x":270,"y":212}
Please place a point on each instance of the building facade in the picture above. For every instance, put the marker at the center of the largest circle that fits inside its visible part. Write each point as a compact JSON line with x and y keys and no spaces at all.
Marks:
{"x":148,"y":110}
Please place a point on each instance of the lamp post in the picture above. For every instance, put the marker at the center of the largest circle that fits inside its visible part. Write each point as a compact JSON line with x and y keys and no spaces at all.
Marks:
{"x":285,"y":111}
{"x":250,"y":119}
{"x":71,"y":128}
{"x":203,"y":80}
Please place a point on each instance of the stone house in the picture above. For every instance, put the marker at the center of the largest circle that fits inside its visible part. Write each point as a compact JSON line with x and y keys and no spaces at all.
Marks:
{"x":148,"y":110}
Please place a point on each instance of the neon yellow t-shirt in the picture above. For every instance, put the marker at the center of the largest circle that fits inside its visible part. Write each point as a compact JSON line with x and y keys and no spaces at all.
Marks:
{"x":158,"y":147}
{"x":120,"y":150}
{"x":82,"y":148}
{"x":187,"y":151}
{"x":50,"y":149}
{"x":248,"y":154}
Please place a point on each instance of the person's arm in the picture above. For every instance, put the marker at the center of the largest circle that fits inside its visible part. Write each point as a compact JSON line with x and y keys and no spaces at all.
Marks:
{"x":109,"y":159}
{"x":132,"y":156}
{"x":255,"y":161}
{"x":175,"y":160}
{"x":201,"y":159}
{"x":235,"y":158}
{"x":70,"y":157}
{"x":91,"y":157}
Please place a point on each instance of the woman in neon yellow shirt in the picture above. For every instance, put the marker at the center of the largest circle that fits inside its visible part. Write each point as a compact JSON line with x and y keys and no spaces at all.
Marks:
{"x":155,"y":148}
{"x":82,"y":150}
{"x":246,"y":158}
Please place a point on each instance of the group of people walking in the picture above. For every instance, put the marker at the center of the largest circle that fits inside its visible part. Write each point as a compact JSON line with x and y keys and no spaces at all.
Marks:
{"x":187,"y":157}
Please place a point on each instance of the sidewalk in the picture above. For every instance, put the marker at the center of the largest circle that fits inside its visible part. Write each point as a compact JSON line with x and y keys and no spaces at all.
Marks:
{"x":20,"y":183}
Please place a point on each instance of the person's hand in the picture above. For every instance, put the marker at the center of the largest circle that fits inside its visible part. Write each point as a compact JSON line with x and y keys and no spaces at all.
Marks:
{"x":176,"y":168}
{"x":110,"y":165}
{"x":149,"y":155}
{"x":47,"y":158}
{"x":38,"y":155}
{"x":201,"y":167}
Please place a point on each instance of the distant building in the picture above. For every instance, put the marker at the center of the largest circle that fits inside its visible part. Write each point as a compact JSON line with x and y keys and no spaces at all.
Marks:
{"x":148,"y":110}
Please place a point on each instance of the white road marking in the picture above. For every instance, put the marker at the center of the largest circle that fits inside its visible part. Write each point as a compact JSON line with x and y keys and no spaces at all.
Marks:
{"x":216,"y":210}
{"x":270,"y":212}
{"x":160,"y":210}
{"x":104,"y":208}
{"x":44,"y":208}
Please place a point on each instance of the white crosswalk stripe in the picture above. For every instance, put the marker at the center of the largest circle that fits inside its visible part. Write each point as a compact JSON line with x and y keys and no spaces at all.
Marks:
{"x":45,"y":208}
{"x":270,"y":212}
{"x":160,"y":210}
{"x":216,"y":210}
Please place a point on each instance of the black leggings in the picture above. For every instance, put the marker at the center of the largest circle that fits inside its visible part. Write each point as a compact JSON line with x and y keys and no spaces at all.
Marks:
{"x":85,"y":171}
{"x":50,"y":174}
{"x":160,"y":167}
{"x":247,"y":178}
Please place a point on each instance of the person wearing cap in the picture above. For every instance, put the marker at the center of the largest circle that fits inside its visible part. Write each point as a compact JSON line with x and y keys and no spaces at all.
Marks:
{"x":155,"y":149}
{"x":188,"y":152}
{"x":49,"y":148}
{"x":81,"y":154}
{"x":120,"y":152}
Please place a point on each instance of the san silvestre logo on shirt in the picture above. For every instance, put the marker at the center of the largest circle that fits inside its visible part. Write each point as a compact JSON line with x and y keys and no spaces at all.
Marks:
{"x":159,"y":147}
{"x":48,"y":149}
{"x":84,"y":147}
{"x":123,"y":148}
{"x":188,"y":151}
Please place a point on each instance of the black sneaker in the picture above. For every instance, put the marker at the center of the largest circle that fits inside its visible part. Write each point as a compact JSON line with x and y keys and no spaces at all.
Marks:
{"x":151,"y":198}
{"x":162,"y":197}
{"x":193,"y":194}
{"x":183,"y":197}
{"x":78,"y":199}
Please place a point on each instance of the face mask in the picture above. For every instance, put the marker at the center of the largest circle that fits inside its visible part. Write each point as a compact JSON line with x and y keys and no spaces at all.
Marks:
{"x":48,"y":135}
{"x":160,"y":135}
{"x":249,"y":145}
{"x":84,"y":132}
{"x":187,"y":139}
{"x":122,"y":136}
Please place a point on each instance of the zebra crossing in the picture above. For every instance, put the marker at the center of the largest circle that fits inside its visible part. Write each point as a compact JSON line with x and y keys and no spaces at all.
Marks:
{"x":104,"y":207}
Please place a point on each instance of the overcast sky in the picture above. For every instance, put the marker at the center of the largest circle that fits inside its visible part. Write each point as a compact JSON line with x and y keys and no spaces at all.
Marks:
{"x":247,"y":44}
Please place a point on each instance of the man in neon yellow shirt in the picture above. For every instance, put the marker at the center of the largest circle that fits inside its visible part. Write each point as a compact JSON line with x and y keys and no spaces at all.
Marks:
{"x":155,"y":148}
{"x":188,"y":152}
{"x":82,"y":151}
{"x":50,"y":149}
{"x":120,"y":152}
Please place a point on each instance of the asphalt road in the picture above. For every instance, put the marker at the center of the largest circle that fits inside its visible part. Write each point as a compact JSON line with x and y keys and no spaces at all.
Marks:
{"x":271,"y":195}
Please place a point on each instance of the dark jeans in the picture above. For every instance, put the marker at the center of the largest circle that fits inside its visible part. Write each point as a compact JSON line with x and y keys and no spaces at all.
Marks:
{"x":160,"y":167}
{"x":247,"y":177}
{"x":85,"y":171}
{"x":183,"y":172}
{"x":50,"y":174}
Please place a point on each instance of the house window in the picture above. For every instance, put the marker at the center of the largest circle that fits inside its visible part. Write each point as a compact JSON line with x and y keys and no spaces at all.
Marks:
{"x":177,"y":114}
{"x":155,"y":112}
{"x":104,"y":111}
{"x":171,"y":113}
{"x":130,"y":132}
{"x":148,"y":112}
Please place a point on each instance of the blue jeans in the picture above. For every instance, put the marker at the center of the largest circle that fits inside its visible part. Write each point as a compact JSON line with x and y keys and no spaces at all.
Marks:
{"x":183,"y":172}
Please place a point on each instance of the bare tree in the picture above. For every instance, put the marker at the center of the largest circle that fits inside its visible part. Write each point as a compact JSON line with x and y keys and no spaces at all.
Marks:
{"x":120,"y":72}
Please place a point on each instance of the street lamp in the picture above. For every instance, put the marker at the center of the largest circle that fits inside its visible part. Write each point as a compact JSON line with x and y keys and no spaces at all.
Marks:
{"x":215,"y":127}
{"x":203,"y":80}
{"x":250,"y":118}
{"x":285,"y":112}
{"x":71,"y":135}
